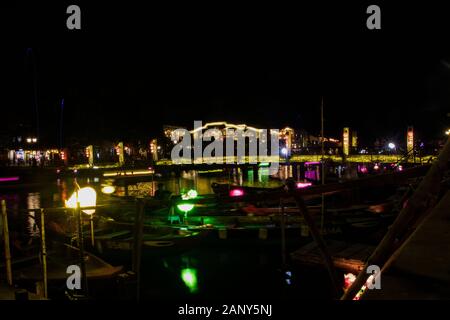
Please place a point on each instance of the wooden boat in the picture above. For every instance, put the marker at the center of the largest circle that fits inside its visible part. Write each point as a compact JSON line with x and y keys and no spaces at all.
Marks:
{"x":252,"y":236}
{"x":364,"y":224}
{"x":8,"y":293}
{"x":156,"y":240}
{"x":224,"y":189}
{"x":59,"y":257}
{"x":348,"y":257}
{"x":244,"y":219}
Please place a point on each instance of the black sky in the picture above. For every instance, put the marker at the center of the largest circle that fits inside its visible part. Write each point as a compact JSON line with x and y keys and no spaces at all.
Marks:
{"x":133,"y":68}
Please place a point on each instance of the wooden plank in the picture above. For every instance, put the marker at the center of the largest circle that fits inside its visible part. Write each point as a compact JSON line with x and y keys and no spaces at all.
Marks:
{"x":349,"y":265}
{"x":113,"y":235}
{"x":363,"y":254}
{"x":351,"y":251}
{"x":306,"y":248}
{"x":336,"y":246}
{"x":345,"y":256}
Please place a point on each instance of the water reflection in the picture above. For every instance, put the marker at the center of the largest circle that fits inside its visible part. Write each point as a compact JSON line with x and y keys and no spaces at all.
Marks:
{"x":55,"y":194}
{"x":192,"y":179}
{"x":189,"y":277}
{"x":263,"y":177}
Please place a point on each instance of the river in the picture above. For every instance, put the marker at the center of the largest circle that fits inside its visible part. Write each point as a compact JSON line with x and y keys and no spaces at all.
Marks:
{"x":223,"y":272}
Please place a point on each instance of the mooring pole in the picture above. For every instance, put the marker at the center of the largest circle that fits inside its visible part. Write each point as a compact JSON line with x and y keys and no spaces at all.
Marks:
{"x":44,"y":253}
{"x":6,"y":243}
{"x":137,"y":244}
{"x":323,"y":170}
{"x":283,"y":235}
{"x":320,"y":243}
{"x":78,"y":214}
{"x":92,"y":231}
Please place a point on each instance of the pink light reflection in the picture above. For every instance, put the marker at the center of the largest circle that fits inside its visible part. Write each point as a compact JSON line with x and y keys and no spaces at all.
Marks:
{"x":236,"y":193}
{"x":303,"y":185}
{"x":9,"y":179}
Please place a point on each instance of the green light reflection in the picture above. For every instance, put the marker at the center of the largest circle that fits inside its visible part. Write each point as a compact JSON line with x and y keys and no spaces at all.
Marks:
{"x":189,"y":277}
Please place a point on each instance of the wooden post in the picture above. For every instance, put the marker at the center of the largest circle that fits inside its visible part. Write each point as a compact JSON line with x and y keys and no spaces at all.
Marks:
{"x":137,"y":243}
{"x":320,"y":243}
{"x":92,"y":231}
{"x":322,"y":175}
{"x":44,"y":253}
{"x":21,"y":295}
{"x":283,"y":235}
{"x":6,"y":244}
{"x":419,"y":203}
{"x":82,"y":261}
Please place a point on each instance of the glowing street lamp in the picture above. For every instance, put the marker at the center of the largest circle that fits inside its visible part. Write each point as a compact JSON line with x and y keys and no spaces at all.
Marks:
{"x":83,"y":198}
{"x":191,"y":194}
{"x":447,"y":132}
{"x":87,"y":197}
{"x":391,"y":145}
{"x":185,"y":207}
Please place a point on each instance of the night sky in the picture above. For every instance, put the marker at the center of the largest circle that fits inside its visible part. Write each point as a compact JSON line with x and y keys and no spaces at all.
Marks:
{"x":133,"y":68}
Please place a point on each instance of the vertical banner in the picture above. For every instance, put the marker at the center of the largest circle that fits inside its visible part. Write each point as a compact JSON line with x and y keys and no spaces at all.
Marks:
{"x":154,"y":149}
{"x":354,"y":139}
{"x":64,"y":154}
{"x":346,"y":141}
{"x":410,"y":143}
{"x":90,"y":155}
{"x":120,"y":153}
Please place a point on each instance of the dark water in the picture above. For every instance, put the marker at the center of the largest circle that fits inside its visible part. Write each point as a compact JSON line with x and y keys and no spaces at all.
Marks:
{"x":226,"y":271}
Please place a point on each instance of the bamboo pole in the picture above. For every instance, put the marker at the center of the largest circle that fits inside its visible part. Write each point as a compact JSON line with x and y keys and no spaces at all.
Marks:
{"x":320,"y":243}
{"x":283,"y":235}
{"x":44,"y":253}
{"x":82,"y":261}
{"x":137,"y":244}
{"x":323,"y":171}
{"x":6,"y":244}
{"x":91,"y":220}
{"x":422,"y":199}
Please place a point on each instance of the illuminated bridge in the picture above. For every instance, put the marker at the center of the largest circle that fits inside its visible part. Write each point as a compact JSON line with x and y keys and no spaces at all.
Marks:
{"x":357,"y":158}
{"x":290,"y":140}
